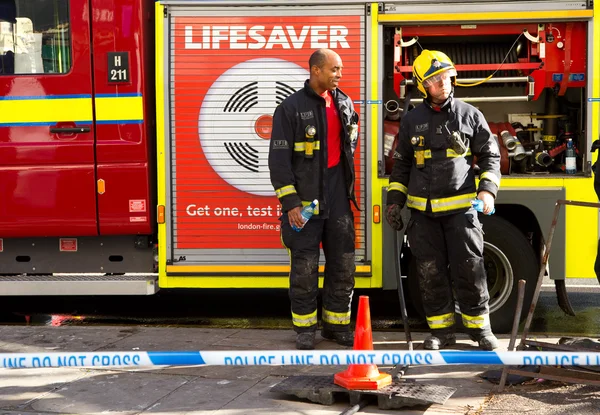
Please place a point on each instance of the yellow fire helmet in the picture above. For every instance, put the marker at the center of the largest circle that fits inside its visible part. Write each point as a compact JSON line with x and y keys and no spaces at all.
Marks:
{"x":430,"y":67}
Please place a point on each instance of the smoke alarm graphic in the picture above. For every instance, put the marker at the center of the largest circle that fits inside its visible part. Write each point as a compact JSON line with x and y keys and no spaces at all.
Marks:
{"x":236,"y":117}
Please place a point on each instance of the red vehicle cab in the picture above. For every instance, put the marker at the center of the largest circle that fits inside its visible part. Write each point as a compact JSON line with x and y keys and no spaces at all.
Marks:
{"x":76,"y":134}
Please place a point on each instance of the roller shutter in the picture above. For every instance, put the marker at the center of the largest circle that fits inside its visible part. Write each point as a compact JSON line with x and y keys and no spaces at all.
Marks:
{"x":228,"y":69}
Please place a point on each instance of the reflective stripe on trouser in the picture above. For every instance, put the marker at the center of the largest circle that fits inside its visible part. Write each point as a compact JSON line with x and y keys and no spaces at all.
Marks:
{"x":336,"y":232}
{"x":304,"y":320}
{"x":456,"y":241}
{"x":330,"y":317}
{"x":443,"y":321}
{"x":476,"y":322}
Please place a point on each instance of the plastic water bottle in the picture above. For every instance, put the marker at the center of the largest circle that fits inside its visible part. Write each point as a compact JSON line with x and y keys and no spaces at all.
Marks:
{"x":570,"y":166}
{"x":307,"y":212}
{"x":478,"y":206}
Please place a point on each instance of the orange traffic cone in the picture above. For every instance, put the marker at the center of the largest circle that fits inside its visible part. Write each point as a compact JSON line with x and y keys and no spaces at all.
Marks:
{"x":363,"y":376}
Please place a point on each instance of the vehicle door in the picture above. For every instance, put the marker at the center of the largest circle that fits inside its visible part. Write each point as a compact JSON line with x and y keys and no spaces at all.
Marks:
{"x":47,"y":161}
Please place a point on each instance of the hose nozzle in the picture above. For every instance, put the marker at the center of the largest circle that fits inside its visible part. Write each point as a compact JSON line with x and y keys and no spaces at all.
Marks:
{"x":393,"y":110}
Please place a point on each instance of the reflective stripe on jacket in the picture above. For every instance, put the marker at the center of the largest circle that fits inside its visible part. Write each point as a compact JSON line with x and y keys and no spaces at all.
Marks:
{"x":444,"y":182}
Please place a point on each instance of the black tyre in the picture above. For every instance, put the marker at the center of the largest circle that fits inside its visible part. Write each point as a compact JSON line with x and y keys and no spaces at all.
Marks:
{"x":508,"y":257}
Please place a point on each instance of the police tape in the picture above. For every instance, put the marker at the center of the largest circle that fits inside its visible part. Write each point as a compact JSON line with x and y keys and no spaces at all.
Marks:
{"x":287,"y":357}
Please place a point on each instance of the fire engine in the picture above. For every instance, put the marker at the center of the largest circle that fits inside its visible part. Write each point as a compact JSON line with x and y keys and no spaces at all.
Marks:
{"x":134,"y":135}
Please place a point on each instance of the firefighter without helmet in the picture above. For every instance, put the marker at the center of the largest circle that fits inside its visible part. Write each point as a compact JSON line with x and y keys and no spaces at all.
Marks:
{"x":430,"y":67}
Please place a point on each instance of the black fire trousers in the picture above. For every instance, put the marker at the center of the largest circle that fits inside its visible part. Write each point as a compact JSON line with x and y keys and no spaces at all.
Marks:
{"x":337,"y":235}
{"x":449,"y":254}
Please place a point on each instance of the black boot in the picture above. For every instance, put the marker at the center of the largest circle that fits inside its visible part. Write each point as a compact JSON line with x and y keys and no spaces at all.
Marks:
{"x":487,"y":341}
{"x":343,"y":338}
{"x":439,"y":339}
{"x":305,"y":341}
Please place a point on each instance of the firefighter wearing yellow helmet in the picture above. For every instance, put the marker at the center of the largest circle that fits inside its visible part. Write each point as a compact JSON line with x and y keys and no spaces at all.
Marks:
{"x":433,"y":176}
{"x":431,"y":67}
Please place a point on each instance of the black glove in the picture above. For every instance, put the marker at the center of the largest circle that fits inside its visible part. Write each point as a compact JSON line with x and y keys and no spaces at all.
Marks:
{"x":394,"y":217}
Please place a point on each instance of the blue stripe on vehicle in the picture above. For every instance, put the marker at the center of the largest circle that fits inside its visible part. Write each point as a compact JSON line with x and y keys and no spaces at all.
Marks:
{"x":119,"y":95}
{"x":78,"y":123}
{"x":40,"y":124}
{"x":120,"y":122}
{"x":21,"y":98}
{"x":116,"y":95}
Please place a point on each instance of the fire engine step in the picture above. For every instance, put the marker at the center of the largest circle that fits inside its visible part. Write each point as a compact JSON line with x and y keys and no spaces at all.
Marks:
{"x":79,"y":284}
{"x":399,"y":394}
